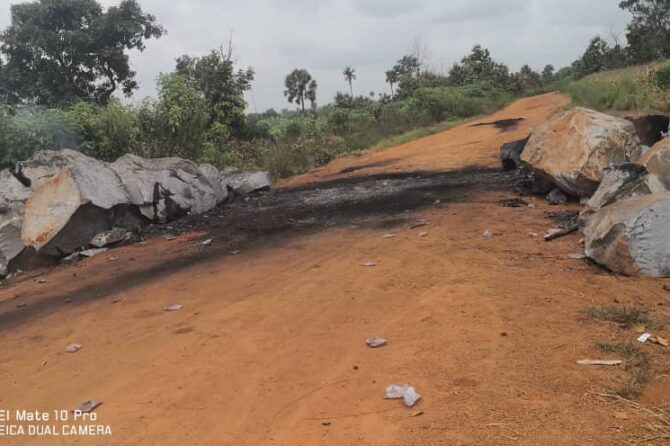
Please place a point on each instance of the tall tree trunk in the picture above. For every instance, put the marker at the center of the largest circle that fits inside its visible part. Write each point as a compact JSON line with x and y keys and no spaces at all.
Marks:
{"x":351,"y":88}
{"x":302,"y":102}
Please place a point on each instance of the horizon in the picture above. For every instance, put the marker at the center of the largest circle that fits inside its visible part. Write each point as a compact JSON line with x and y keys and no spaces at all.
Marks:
{"x":532,"y":32}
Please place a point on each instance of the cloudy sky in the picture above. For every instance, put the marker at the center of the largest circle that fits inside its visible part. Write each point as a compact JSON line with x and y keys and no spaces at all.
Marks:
{"x":323,"y":36}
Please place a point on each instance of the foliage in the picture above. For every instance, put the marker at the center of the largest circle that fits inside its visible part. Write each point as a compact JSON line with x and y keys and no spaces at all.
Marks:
{"x":623,"y":89}
{"x":349,"y":76}
{"x":60,"y":51}
{"x":662,"y":76}
{"x":215,"y":78}
{"x":298,"y":83}
{"x":31,"y":129}
{"x":180,"y":119}
{"x":648,"y":34}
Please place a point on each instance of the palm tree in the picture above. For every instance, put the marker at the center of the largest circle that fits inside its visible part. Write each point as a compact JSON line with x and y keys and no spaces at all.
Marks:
{"x":298,"y":83}
{"x":311,"y":93}
{"x":350,"y":76}
{"x":392,"y":78}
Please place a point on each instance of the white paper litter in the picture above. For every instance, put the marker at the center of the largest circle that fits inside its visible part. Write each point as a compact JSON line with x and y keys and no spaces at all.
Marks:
{"x":405,"y":392}
{"x":644,"y":337}
{"x":176,"y":307}
{"x":376,"y":342}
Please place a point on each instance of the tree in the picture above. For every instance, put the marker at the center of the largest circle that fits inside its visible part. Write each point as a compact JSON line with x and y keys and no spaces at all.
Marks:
{"x":479,"y":67}
{"x":221,"y":85}
{"x":59,"y":51}
{"x":350,"y":76}
{"x":594,"y":58}
{"x":648,"y":34}
{"x":311,"y":93}
{"x":297,"y":84}
{"x":392,"y":79}
{"x":548,"y":74}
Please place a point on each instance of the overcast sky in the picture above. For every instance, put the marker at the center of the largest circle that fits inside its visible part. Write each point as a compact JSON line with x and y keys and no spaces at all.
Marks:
{"x":323,"y":36}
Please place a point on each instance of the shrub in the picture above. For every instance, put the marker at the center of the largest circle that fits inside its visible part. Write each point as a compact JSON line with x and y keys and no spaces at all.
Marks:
{"x":662,"y":76}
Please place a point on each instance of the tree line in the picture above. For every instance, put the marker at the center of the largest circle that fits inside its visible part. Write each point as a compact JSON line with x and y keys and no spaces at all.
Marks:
{"x":63,"y":63}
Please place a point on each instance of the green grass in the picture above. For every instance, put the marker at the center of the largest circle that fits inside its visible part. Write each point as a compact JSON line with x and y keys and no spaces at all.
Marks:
{"x":622,"y":90}
{"x":636,"y":364}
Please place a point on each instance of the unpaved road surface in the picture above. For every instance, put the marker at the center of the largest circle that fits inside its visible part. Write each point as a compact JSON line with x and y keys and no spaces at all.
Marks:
{"x":269,"y":348}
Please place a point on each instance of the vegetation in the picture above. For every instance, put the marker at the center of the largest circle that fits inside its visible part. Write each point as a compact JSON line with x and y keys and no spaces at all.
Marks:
{"x":636,"y":363}
{"x":624,"y":315}
{"x":63,"y":63}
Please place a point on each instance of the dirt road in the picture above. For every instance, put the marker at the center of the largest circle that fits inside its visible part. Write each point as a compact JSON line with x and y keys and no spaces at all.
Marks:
{"x":269,"y":348}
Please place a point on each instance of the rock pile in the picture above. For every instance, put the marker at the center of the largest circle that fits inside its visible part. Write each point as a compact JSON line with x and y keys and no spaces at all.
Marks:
{"x":60,"y":202}
{"x":590,"y":155}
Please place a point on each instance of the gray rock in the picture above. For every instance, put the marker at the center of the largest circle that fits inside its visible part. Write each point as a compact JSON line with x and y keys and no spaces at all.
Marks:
{"x":623,"y":181}
{"x":216,"y":180}
{"x":66,"y":211}
{"x":510,"y":154}
{"x":13,"y":196}
{"x":630,"y":236}
{"x":110,"y":237}
{"x":245,"y":183}
{"x":165,"y":188}
{"x":556,"y":197}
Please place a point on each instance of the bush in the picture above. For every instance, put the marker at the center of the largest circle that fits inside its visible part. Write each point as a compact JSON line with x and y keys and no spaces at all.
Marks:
{"x":108,"y":132}
{"x":28,"y":130}
{"x":662,"y":76}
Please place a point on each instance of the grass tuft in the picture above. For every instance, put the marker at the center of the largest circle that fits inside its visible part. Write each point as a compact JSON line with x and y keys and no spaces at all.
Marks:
{"x":636,"y":363}
{"x":625,"y":315}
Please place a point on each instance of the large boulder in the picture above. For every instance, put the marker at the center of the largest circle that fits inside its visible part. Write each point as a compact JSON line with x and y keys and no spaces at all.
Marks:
{"x":631,"y":236}
{"x":623,"y":181}
{"x":165,"y":188}
{"x":216,"y":180}
{"x":245,"y":183}
{"x":657,"y":161}
{"x":66,"y":211}
{"x":574,"y":147}
{"x":13,"y":196}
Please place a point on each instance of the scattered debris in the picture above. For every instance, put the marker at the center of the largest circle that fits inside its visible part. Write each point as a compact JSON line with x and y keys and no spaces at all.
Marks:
{"x":113,"y":259}
{"x":405,"y":392}
{"x":170,"y":237}
{"x":41,"y":280}
{"x":87,"y":406}
{"x":488,"y":234}
{"x":416,"y":414}
{"x":110,"y":237}
{"x":73,"y":348}
{"x":389,"y":235}
{"x":513,"y":203}
{"x":423,"y":234}
{"x":93,"y":252}
{"x":207,"y":242}
{"x":72,"y":258}
{"x":644,"y":337}
{"x":660,"y":341}
{"x":419,"y":224}
{"x":368,"y":264}
{"x":176,"y":307}
{"x":533,"y":234}
{"x":577,"y":256}
{"x":234,"y":253}
{"x":555,"y":233}
{"x":376,"y":342}
{"x":556,"y":197}
{"x":326,"y":423}
{"x":614,"y":362}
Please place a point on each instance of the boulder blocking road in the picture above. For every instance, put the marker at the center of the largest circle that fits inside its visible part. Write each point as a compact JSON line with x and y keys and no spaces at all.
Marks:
{"x":269,"y":346}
